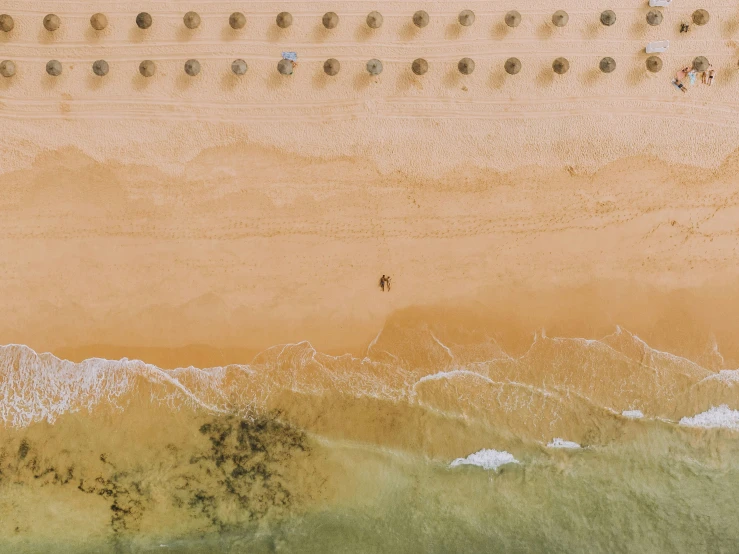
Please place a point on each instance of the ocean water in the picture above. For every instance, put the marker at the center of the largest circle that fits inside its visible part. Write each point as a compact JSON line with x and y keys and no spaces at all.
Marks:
{"x":426,"y":443}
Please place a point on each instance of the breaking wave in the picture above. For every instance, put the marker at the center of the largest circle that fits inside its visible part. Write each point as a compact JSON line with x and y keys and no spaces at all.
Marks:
{"x":559,"y":387}
{"x":486,"y":459}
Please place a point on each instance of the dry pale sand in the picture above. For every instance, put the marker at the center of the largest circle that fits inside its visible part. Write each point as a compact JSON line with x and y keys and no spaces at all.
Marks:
{"x":200,"y":220}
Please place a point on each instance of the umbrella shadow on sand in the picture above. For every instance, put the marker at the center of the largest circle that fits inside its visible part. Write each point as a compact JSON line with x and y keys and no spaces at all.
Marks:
{"x":498,"y":79}
{"x":229,"y":35}
{"x":363,"y":80}
{"x":501,"y":31}
{"x":545,"y":31}
{"x":591,"y":76}
{"x":320,"y":33}
{"x":409,"y":31}
{"x":545,"y":76}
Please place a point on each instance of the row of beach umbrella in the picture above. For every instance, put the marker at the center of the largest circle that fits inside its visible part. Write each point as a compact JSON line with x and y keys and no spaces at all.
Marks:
{"x":330,"y":20}
{"x":332,"y":66}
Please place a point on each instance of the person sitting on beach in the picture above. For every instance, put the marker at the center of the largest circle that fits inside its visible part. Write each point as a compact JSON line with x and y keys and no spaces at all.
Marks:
{"x":382,"y":283}
{"x":684,"y":27}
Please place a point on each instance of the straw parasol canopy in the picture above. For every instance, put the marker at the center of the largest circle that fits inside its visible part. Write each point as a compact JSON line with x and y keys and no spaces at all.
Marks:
{"x":191,"y":20}
{"x":560,"y":18}
{"x":466,"y":18}
{"x":99,"y":21}
{"x":330,"y":20}
{"x":561,"y":66}
{"x":285,"y":67}
{"x":54,"y":68}
{"x":237,"y":20}
{"x":513,"y":18}
{"x":6,"y":23}
{"x":654,"y":64}
{"x":419,"y":66}
{"x":654,"y":17}
{"x":607,"y":65}
{"x":7,"y":68}
{"x":466,"y":66}
{"x":143,"y":20}
{"x":420,"y":19}
{"x":374,"y":67}
{"x":284,"y":20}
{"x":238,"y":67}
{"x":608,"y":18}
{"x":52,"y":22}
{"x":192,"y":67}
{"x":147,"y":68}
{"x":374,"y":20}
{"x":700,"y":17}
{"x":512,"y":66}
{"x":100,"y":68}
{"x":701,"y":63}
{"x":331,"y":67}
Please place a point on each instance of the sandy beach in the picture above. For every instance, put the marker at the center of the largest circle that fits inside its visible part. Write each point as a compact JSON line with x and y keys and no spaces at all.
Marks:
{"x":189,"y":271}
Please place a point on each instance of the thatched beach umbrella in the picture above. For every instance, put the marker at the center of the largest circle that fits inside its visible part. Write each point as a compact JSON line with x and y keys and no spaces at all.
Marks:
{"x":52,"y":22}
{"x":654,"y":17}
{"x":192,"y":67}
{"x":700,"y":17}
{"x":191,"y":20}
{"x":100,"y":68}
{"x":608,"y":18}
{"x":560,"y":18}
{"x":420,"y":19}
{"x":607,"y":65}
{"x":237,"y":20}
{"x":331,"y":67}
{"x":466,"y":18}
{"x":6,"y":23}
{"x":98,"y":21}
{"x":143,"y":20}
{"x":466,"y":66}
{"x":374,"y":67}
{"x":238,"y":67}
{"x":147,"y":68}
{"x":7,"y":68}
{"x":284,"y":20}
{"x":330,"y":20}
{"x":54,"y":68}
{"x":513,"y":18}
{"x":654,"y":64}
{"x":419,"y":66}
{"x":374,"y":20}
{"x":701,"y":63}
{"x":512,"y":66}
{"x":561,"y":66}
{"x":285,"y":67}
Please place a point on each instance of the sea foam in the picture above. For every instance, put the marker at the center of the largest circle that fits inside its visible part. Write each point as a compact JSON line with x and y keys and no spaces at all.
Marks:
{"x":486,"y":459}
{"x":722,"y":416}
{"x":632,"y":414}
{"x":561,"y":443}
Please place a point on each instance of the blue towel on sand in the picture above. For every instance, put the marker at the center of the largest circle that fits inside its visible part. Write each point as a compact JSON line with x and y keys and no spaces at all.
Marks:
{"x":292,"y":56}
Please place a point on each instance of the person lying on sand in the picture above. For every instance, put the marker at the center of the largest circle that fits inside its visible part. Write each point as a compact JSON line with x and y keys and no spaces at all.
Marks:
{"x":679,"y":85}
{"x":711,"y":73}
{"x":680,"y":75}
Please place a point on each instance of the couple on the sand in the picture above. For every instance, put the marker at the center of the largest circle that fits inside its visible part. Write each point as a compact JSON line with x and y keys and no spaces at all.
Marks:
{"x":385,"y":281}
